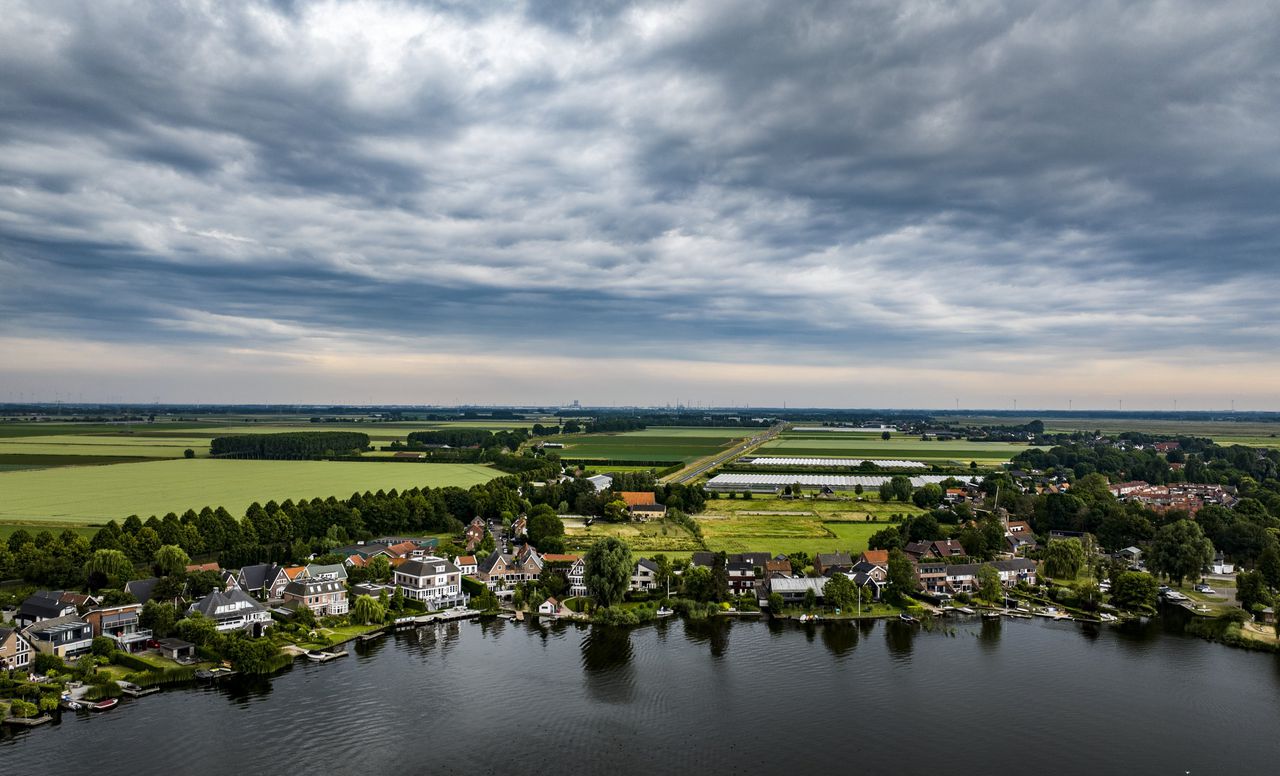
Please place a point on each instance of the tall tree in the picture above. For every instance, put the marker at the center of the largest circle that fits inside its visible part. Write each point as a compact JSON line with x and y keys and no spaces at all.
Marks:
{"x":1180,"y":551}
{"x":608,"y":570}
{"x":170,"y":560}
{"x":902,"y":574}
{"x":839,"y":591}
{"x":1063,"y":558}
{"x":990,"y":588}
{"x":108,"y":568}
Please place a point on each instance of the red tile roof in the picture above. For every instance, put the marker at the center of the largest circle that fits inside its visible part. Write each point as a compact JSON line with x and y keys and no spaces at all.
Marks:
{"x":555,"y":557}
{"x":637,"y":498}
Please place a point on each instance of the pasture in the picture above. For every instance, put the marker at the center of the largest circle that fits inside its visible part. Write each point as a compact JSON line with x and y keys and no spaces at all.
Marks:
{"x":784,"y":533}
{"x":643,"y":538}
{"x":653,"y":444}
{"x":899,"y":447}
{"x":94,"y":494}
{"x":1251,"y":433}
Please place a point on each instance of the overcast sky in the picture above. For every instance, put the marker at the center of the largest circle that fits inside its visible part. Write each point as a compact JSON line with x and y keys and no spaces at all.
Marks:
{"x":856,"y":204}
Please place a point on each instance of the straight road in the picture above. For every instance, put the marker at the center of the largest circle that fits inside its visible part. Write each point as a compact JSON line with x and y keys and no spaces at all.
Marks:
{"x":700,"y":467}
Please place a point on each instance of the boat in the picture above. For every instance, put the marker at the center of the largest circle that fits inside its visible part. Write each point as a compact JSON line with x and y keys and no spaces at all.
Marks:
{"x":991,"y":615}
{"x":907,"y":618}
{"x":320,"y":656}
{"x":104,"y":705}
{"x":135,"y":691}
{"x":70,"y":704}
{"x":665,"y":612}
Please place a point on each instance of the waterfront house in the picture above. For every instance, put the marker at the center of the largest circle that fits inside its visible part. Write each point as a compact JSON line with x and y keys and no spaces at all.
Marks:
{"x":877,"y":572}
{"x":529,"y":562}
{"x":779,"y":566}
{"x":824,"y":562}
{"x":233,"y":610}
{"x":331,"y":571}
{"x":963,"y":577}
{"x":16,"y":650}
{"x":323,"y":596}
{"x":66,"y":636}
{"x":553,"y":608}
{"x":141,"y":589}
{"x":742,"y":576}
{"x":577,"y":576}
{"x":432,"y":580}
{"x":467,"y":564}
{"x":932,"y":576}
{"x":42,"y":605}
{"x":792,"y":589}
{"x":256,"y":580}
{"x":120,"y":623}
{"x":644,"y":577}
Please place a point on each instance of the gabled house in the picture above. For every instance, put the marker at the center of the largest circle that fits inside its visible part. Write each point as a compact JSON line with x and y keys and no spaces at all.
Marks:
{"x":16,"y":650}
{"x":141,"y":589}
{"x":330,"y":572}
{"x":43,"y":605}
{"x":825,"y":562}
{"x":942,"y":548}
{"x":194,"y":567}
{"x":529,"y":562}
{"x":577,"y":576}
{"x":475,"y":533}
{"x":742,"y":576}
{"x":467,"y":564}
{"x":777,"y":566}
{"x":257,"y":580}
{"x":877,"y":557}
{"x":432,"y":580}
{"x":553,"y":608}
{"x":64,"y":636}
{"x":233,"y":610}
{"x":83,"y":602}
{"x":642,"y":505}
{"x":520,"y":526}
{"x":644,"y":576}
{"x":284,"y":575}
{"x":793,"y":589}
{"x":323,"y":596}
{"x":874,"y":571}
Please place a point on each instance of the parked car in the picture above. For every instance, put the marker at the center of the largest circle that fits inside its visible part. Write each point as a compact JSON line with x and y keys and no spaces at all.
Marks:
{"x":1205,"y":589}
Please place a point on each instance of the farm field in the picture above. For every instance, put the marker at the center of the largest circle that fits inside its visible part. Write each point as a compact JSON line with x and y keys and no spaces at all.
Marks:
{"x":784,"y":533}
{"x":899,"y":447}
{"x":121,"y":445}
{"x":86,"y":494}
{"x":871,"y":507}
{"x":1249,"y":433}
{"x":654,"y":444}
{"x":644,"y":538}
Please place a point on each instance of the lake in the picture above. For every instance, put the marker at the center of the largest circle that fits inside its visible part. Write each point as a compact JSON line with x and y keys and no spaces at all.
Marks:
{"x":721,"y":697}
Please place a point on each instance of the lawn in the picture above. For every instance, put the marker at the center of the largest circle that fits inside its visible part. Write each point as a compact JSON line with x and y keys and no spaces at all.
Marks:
{"x":85,"y":494}
{"x":898,"y":447}
{"x":654,"y":444}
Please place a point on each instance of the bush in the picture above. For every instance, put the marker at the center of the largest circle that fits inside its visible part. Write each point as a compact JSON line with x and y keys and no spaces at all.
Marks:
{"x":103,"y":646}
{"x":129,"y":661}
{"x":613,"y":615}
{"x":44,"y":663}
{"x":20,"y":708}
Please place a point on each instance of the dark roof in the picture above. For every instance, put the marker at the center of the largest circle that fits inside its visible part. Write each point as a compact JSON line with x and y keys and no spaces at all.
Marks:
{"x":208,"y":606}
{"x":307,"y":586}
{"x":863,"y":567}
{"x":65,"y":622}
{"x":646,"y":563}
{"x":258,"y":576}
{"x":44,"y":604}
{"x":174,"y":643}
{"x":833,"y":559}
{"x":917,"y":548}
{"x":754,"y":558}
{"x":707,"y":559}
{"x":422,"y":567}
{"x":141,"y":589}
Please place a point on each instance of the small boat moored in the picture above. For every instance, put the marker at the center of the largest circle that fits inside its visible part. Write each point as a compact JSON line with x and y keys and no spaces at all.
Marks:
{"x":104,"y":705}
{"x":320,"y":656}
{"x":907,"y":618}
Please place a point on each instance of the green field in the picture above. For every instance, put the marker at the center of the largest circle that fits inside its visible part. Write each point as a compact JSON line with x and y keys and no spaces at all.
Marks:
{"x":785,"y":534}
{"x":1224,"y":432}
{"x":643,"y":538}
{"x":85,"y":494}
{"x":653,"y":444}
{"x":869,"y":508}
{"x":898,"y":447}
{"x":121,"y":445}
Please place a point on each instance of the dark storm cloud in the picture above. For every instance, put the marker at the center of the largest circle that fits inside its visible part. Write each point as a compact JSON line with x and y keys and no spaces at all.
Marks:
{"x":704,"y":180}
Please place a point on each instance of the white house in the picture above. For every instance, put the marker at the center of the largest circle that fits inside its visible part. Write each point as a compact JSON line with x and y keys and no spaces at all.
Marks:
{"x":432,"y":580}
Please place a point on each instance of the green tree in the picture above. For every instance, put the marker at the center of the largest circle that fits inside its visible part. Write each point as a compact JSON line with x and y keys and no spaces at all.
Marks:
{"x":800,"y":561}
{"x":170,"y":560}
{"x":158,"y":617}
{"x":839,"y":592}
{"x":188,"y":453}
{"x":810,"y":599}
{"x":990,"y":589}
{"x":698,"y":583}
{"x":1251,"y":591}
{"x":616,"y":511}
{"x":902,"y":575}
{"x":103,"y":646}
{"x":1269,"y":565}
{"x":663,"y":575}
{"x":1180,"y":551}
{"x":1134,"y":590}
{"x":928,"y":496}
{"x":378,"y":568}
{"x":775,"y":603}
{"x":197,"y":629}
{"x":365,"y":610}
{"x":608,"y":570}
{"x":886,"y":436}
{"x":109,"y":568}
{"x":250,"y":655}
{"x":546,"y":529}
{"x":901,"y":485}
{"x":1063,"y":558}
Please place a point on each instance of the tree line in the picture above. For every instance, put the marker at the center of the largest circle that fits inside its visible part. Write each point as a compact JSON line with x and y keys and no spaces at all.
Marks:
{"x":294,"y":445}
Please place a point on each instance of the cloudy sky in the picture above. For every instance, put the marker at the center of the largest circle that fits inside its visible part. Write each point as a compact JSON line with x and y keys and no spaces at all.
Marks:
{"x":846,"y":204}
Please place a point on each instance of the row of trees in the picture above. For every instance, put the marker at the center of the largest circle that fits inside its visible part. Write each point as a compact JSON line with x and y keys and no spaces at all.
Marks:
{"x":293,"y":445}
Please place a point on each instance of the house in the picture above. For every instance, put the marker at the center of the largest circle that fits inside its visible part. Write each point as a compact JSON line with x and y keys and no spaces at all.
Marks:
{"x":601,"y":482}
{"x":644,"y":577}
{"x":83,"y":602}
{"x":403,"y":549}
{"x":963,"y":577}
{"x":323,"y":596}
{"x":553,"y":608}
{"x":1221,"y":566}
{"x":866,"y":581}
{"x":64,"y":636}
{"x":742,"y":576}
{"x":703,"y":558}
{"x":875,"y":557}
{"x":229,"y":579}
{"x":1167,"y":447}
{"x":332,"y":571}
{"x":932,"y":576}
{"x":475,"y":533}
{"x":872,"y":570}
{"x":233,"y":610}
{"x":16,"y":650}
{"x":793,"y":589}
{"x":195,"y":567}
{"x":577,"y":576}
{"x":284,"y":575}
{"x":779,"y":566}
{"x":642,"y":505}
{"x":466,"y":564}
{"x":520,"y":526}
{"x":529,"y":562}
{"x":141,"y":589}
{"x":177,"y":649}
{"x":256,"y":580}
{"x":432,"y":580}
{"x":1019,"y":543}
{"x":119,"y":623}
{"x":1130,"y":554}
{"x":942,"y":548}
{"x":43,"y":605}
{"x":824,"y":562}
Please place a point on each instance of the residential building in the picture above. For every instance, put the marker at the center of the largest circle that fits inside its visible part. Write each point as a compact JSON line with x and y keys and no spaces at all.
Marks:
{"x":742,"y":576}
{"x":233,"y":610}
{"x":43,"y":605}
{"x":65,"y":636}
{"x":872,"y":570}
{"x":284,"y":575}
{"x":777,"y":566}
{"x":520,"y":526}
{"x":257,"y":580}
{"x":644,"y":577}
{"x":16,"y":651}
{"x":432,"y":580}
{"x":1221,"y":566}
{"x":119,"y":623}
{"x":467,"y":564}
{"x":475,"y":533}
{"x":141,"y":589}
{"x":876,"y":557}
{"x":331,"y":572}
{"x":825,"y":562}
{"x":194,"y":567}
{"x":642,"y":505}
{"x":942,"y":548}
{"x":323,"y":596}
{"x":793,"y":589}
{"x":553,"y":608}
{"x":577,"y":577}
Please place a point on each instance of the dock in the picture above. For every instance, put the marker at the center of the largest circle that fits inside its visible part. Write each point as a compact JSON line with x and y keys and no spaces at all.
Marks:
{"x":135,"y":691}
{"x":28,"y":721}
{"x":448,"y":615}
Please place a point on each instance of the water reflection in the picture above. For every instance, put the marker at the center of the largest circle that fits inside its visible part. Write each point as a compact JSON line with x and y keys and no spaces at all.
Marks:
{"x":989,"y":634}
{"x":713,"y":631}
{"x":899,"y":636}
{"x":606,"y":658}
{"x":839,"y":638}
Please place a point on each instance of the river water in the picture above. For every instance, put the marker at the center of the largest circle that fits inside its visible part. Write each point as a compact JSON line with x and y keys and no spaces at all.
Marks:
{"x":724,"y":697}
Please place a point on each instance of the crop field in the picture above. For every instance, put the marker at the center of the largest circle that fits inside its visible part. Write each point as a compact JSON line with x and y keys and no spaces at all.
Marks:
{"x":898,"y":447}
{"x":654,"y":444}
{"x":1224,"y":432}
{"x":784,"y":533}
{"x":85,"y":494}
{"x":869,"y":508}
{"x":643,"y":538}
{"x":126,"y":446}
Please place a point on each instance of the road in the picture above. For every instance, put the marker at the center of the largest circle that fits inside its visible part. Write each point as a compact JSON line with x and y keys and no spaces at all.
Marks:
{"x":700,"y":467}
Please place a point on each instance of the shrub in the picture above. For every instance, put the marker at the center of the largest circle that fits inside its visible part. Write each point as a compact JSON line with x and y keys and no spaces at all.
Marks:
{"x":20,"y":708}
{"x":103,"y":646}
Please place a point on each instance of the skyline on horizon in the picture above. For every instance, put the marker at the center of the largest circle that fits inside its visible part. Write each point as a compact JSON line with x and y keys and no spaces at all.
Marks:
{"x":876,"y":205}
